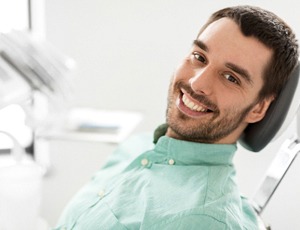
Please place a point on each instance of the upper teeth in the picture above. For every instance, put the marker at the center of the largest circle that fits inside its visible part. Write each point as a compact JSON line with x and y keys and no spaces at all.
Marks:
{"x":191,"y":105}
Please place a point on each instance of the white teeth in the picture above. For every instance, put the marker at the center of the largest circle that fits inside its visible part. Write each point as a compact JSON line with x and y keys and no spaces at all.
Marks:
{"x":191,"y":105}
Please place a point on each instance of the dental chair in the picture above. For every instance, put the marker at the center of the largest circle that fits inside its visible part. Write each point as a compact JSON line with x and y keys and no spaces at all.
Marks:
{"x":279,"y":116}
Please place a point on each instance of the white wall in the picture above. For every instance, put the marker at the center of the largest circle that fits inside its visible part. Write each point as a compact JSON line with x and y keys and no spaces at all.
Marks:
{"x":126,"y":52}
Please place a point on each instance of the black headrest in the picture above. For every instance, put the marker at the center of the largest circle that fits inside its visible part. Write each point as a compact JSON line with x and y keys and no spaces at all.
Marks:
{"x":280,"y":114}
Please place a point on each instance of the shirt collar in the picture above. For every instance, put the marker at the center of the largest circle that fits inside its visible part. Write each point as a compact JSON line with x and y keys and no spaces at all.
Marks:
{"x":193,"y":153}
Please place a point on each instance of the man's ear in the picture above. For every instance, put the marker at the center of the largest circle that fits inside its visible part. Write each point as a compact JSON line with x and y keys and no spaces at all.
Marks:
{"x":259,"y":110}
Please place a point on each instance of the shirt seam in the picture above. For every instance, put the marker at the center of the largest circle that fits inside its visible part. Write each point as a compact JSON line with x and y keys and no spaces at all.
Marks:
{"x":206,"y":189}
{"x":168,"y":221}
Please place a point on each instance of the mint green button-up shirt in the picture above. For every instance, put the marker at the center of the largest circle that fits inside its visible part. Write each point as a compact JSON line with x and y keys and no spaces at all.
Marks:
{"x":171,"y":185}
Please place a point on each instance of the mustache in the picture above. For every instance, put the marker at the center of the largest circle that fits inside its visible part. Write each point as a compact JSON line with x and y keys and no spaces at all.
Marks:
{"x":198,"y":97}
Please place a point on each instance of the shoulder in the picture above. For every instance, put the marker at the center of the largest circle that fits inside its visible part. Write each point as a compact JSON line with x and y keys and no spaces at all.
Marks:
{"x":130,"y":149}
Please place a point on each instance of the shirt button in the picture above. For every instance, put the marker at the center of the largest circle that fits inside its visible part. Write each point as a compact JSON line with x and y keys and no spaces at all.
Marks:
{"x":171,"y":162}
{"x":144,"y":162}
{"x":101,"y":193}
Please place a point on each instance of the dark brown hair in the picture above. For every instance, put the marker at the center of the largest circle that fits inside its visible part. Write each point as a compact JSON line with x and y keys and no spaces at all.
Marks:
{"x":274,"y":33}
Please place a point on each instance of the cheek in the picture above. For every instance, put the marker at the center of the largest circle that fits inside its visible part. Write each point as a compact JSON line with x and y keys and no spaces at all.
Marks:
{"x":229,"y":96}
{"x":233,"y":106}
{"x":228,"y":102}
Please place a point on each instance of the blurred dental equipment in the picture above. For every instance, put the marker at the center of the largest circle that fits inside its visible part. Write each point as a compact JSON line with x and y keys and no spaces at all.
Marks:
{"x":34,"y":89}
{"x":34,"y":80}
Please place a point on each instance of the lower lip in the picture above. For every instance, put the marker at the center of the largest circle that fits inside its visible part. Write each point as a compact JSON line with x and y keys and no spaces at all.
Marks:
{"x":187,"y":111}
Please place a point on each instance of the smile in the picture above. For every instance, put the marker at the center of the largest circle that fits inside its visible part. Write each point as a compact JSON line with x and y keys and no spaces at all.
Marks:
{"x":192,"y":106}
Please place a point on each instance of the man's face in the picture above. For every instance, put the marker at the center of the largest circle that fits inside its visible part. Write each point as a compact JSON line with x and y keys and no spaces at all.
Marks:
{"x":214,"y":91}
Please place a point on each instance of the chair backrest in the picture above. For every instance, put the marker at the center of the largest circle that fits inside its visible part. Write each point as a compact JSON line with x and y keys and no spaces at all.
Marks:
{"x":280,"y":114}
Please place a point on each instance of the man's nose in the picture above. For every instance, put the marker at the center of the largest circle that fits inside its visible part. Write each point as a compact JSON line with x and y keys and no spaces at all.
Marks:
{"x":202,"y":81}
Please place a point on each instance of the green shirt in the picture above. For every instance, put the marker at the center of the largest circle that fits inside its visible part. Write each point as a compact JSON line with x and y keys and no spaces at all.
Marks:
{"x":172,"y":185}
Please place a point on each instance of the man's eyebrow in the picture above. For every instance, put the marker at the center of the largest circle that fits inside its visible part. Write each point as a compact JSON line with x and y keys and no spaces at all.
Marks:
{"x":241,"y":71}
{"x":201,"y":45}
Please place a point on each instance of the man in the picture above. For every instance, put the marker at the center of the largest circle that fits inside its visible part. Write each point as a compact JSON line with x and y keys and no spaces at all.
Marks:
{"x":236,"y":67}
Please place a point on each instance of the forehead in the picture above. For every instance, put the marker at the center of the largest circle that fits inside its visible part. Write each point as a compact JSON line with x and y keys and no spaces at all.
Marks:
{"x":225,"y":43}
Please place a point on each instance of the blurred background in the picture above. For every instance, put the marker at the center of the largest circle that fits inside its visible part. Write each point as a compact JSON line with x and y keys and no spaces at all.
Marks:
{"x":125,"y":53}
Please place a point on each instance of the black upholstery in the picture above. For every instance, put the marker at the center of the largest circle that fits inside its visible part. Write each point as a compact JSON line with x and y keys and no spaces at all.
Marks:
{"x":258,"y":135}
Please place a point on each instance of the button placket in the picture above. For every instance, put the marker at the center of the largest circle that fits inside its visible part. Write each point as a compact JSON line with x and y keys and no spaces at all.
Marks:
{"x":144,"y":162}
{"x":101,"y":193}
{"x":171,"y":161}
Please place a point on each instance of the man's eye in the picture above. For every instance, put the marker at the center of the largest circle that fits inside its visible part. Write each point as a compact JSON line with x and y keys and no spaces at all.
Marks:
{"x":199,"y":57}
{"x":231,"y":78}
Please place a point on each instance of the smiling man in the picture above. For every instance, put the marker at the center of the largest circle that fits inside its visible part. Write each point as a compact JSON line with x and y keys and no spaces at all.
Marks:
{"x":214,"y":94}
{"x":236,"y":67}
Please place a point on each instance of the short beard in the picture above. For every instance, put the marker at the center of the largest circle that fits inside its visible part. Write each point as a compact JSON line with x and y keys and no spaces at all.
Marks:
{"x":206,"y":132}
